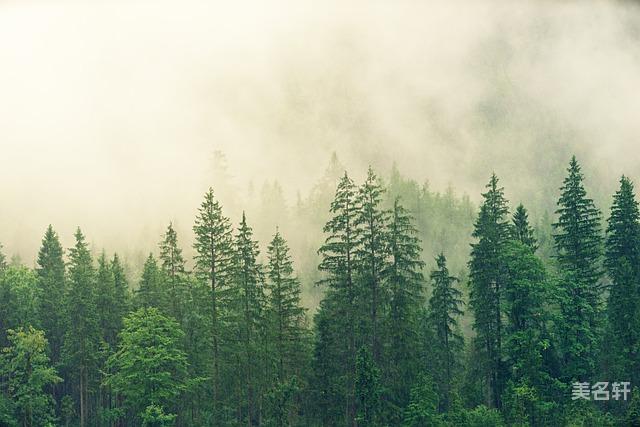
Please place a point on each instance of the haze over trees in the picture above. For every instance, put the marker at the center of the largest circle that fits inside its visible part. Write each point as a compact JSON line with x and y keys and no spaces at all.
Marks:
{"x":431,"y":312}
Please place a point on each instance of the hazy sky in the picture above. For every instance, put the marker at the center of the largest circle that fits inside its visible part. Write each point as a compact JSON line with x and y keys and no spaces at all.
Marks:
{"x":110,"y":111}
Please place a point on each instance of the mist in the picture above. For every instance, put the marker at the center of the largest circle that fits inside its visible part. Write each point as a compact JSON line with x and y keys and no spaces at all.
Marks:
{"x":111,"y":114}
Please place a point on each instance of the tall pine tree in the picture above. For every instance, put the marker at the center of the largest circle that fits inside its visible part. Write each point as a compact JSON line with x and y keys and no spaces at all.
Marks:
{"x":173,"y":266}
{"x":578,"y":244}
{"x":487,"y":282}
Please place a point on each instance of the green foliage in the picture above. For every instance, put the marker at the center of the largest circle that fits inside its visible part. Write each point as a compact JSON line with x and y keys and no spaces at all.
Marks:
{"x":423,"y":407}
{"x":149,"y":367}
{"x":368,"y":389}
{"x":154,"y":416}
{"x":578,"y":244}
{"x":18,"y":293}
{"x":488,"y":282}
{"x":173,"y":266}
{"x":445,"y":309}
{"x":26,"y":370}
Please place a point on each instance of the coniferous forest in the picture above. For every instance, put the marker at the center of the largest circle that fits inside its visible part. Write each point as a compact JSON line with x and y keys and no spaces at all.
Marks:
{"x":536,"y":325}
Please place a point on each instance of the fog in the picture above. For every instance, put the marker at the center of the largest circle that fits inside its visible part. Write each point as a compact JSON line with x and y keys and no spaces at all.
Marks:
{"x":111,"y":112}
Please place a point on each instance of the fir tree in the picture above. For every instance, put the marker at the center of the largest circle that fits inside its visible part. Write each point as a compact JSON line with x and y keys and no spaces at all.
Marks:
{"x":51,"y":287}
{"x":578,"y":244}
{"x":623,"y":267}
{"x":337,"y":341}
{"x":173,"y":265}
{"x":445,"y":309}
{"x":151,"y":288}
{"x":487,"y":281}
{"x":371,"y":256}
{"x":251,"y":299}
{"x":368,"y":389}
{"x":82,"y":337}
{"x":522,"y":231}
{"x":213,"y":263}
{"x":404,"y":280}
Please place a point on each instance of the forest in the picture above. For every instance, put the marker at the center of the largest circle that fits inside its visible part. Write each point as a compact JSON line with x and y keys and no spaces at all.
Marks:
{"x":516,"y":324}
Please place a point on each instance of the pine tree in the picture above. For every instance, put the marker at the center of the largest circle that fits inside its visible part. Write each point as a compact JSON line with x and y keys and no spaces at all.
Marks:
{"x":335,"y":353}
{"x":623,"y":267}
{"x":82,"y":337}
{"x":522,"y":231}
{"x":371,"y":256}
{"x":445,"y":309}
{"x":404,"y":280}
{"x":213,"y":266}
{"x":285,"y":310}
{"x":3,"y":260}
{"x":251,"y":299}
{"x":26,"y":368}
{"x":487,"y":281}
{"x":121,"y":292}
{"x":151,"y":289}
{"x":578,"y":244}
{"x":173,"y":265}
{"x":286,"y":317}
{"x":51,"y":289}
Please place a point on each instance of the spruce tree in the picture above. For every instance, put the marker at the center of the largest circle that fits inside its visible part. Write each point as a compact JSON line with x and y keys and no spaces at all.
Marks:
{"x":578,"y":245}
{"x":487,"y":281}
{"x":213,"y":262}
{"x":250,"y":293}
{"x":121,"y":291}
{"x":284,"y":308}
{"x":371,"y":257}
{"x":623,"y":267}
{"x":151,"y":289}
{"x":335,"y":353}
{"x":82,"y":337}
{"x":522,"y":231}
{"x":173,"y":265}
{"x":445,"y":309}
{"x":404,"y":280}
{"x":51,"y":289}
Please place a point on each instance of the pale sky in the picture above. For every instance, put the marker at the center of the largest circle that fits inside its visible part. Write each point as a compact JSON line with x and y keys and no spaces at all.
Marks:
{"x":110,"y":111}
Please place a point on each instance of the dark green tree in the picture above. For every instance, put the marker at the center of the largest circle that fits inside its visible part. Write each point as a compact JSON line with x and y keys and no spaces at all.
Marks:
{"x":213,"y":265}
{"x":404,"y":280}
{"x":522,"y":231}
{"x":487,"y":282}
{"x":371,"y":258}
{"x":368,"y":389}
{"x":445,"y":307}
{"x":51,"y":289}
{"x":251,"y":304}
{"x":173,"y":266}
{"x":335,"y":352}
{"x":82,"y":338}
{"x":151,"y":291}
{"x":623,"y":267}
{"x":578,"y":244}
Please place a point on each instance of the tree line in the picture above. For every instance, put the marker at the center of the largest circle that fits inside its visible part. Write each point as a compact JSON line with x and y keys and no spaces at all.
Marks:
{"x":229,"y":342}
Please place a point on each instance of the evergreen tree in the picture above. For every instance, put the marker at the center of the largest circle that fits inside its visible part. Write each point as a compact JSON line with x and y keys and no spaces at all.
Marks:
{"x":335,"y":353}
{"x":445,"y":309}
{"x":121,"y":299}
{"x":578,"y":244}
{"x":522,"y":231}
{"x":251,"y":300}
{"x":151,"y":289}
{"x":51,"y":289}
{"x":26,"y":369}
{"x":81,"y":343}
{"x":173,"y":265}
{"x":287,"y":323}
{"x":3,"y":259}
{"x":404,"y":280}
{"x":623,"y":267}
{"x":487,"y":282}
{"x":213,"y":263}
{"x":371,"y":257}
